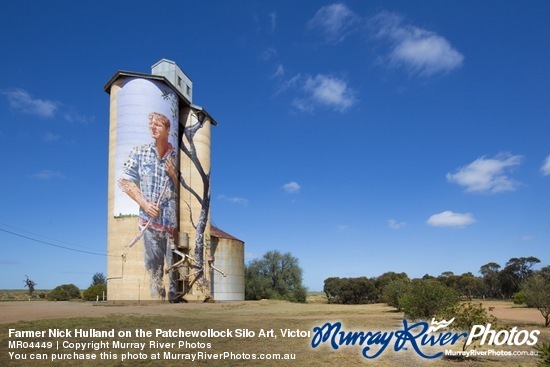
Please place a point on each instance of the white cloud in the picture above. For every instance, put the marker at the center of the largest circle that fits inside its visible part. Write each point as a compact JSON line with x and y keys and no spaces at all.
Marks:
{"x":292,"y":187}
{"x":268,"y":54}
{"x":343,"y":227}
{"x":324,"y":91}
{"x":545,"y":169}
{"x":47,"y":175}
{"x":487,"y":174}
{"x":421,"y":51}
{"x":21,"y":100}
{"x":234,"y":200}
{"x":450,"y":219}
{"x":393,"y":224}
{"x":273,"y":21}
{"x":71,"y":115}
{"x":336,"y":21}
{"x":50,"y":137}
{"x":280,"y":72}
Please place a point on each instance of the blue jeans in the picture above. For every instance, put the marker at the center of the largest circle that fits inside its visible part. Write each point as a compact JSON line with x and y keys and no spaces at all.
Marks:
{"x":157,"y":250}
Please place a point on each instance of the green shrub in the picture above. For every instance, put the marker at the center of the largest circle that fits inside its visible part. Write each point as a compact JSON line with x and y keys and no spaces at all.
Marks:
{"x":394,"y":291}
{"x":351,"y":291}
{"x":427,"y":298}
{"x":58,"y":294}
{"x":64,"y":292}
{"x":544,"y":354}
{"x":94,"y":291}
{"x":537,"y":294}
{"x":275,"y":276}
{"x":466,"y":315}
{"x":519,"y":298}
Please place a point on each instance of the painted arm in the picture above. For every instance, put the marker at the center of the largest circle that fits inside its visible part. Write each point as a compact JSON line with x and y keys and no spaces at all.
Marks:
{"x":134,"y":192}
{"x":171,"y":170}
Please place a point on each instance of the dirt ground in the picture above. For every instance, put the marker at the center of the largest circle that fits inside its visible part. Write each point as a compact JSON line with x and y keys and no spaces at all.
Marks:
{"x":38,"y":310}
{"x":507,"y":311}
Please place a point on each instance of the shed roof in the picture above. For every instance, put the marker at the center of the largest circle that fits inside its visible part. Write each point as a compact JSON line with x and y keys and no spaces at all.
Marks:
{"x":216,"y":232}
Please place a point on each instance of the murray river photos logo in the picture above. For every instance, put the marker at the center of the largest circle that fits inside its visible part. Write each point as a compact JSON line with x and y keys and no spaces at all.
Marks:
{"x":417,"y":336}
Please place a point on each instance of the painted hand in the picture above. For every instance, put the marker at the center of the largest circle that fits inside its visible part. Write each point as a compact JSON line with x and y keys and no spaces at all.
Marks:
{"x":151,"y":209}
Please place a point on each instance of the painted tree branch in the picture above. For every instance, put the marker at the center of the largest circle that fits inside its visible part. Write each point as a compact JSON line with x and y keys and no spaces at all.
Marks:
{"x":190,"y":152}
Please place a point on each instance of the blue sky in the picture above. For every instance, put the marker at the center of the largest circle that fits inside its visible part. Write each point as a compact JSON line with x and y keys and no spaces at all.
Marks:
{"x":361,"y":136}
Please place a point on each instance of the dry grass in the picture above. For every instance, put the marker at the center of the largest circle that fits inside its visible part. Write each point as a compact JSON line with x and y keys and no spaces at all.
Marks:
{"x":253,"y":316}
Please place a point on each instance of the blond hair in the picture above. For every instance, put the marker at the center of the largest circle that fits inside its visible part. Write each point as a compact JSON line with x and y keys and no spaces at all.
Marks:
{"x":156,"y":116}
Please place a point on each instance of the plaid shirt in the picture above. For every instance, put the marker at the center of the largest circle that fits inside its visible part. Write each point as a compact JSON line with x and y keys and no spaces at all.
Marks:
{"x":148,"y":172}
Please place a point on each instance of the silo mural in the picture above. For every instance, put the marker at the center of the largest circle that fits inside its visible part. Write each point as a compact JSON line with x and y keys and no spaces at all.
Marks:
{"x":160,"y":245}
{"x":146,"y":175}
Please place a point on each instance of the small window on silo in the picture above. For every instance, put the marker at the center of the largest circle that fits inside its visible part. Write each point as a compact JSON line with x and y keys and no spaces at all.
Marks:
{"x":179,"y":81}
{"x":188,"y":90}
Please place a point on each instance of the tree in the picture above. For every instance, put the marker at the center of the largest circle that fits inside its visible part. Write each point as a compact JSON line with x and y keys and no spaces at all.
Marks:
{"x":332,"y":289}
{"x":466,"y":315}
{"x":64,"y":292}
{"x":351,"y":290}
{"x":94,"y":292}
{"x":98,"y":288}
{"x":426,"y":298}
{"x":30,"y":284}
{"x":469,"y":286}
{"x":99,"y":278}
{"x":202,"y":197}
{"x":516,"y":271}
{"x":536,"y":292}
{"x":522,"y":267}
{"x":58,"y":294}
{"x":394,"y":291}
{"x":383,"y":280}
{"x":490,"y":273}
{"x":275,"y":276}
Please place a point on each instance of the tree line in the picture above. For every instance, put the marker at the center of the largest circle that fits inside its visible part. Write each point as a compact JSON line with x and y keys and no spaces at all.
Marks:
{"x":66,"y":292}
{"x":428,"y":296}
{"x":494,"y":282}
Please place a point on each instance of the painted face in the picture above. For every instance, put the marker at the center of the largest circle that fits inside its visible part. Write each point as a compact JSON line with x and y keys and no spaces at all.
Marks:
{"x":158,"y":130}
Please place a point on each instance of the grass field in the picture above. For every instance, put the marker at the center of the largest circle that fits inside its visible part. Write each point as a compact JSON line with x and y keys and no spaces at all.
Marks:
{"x":251,"y":316}
{"x":7,"y":295}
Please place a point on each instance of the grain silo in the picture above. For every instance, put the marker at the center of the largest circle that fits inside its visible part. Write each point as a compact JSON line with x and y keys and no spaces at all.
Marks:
{"x":159,"y":243}
{"x":228,"y":252}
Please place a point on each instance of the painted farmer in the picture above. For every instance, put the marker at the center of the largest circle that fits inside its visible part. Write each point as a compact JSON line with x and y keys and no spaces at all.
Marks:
{"x":150,"y":180}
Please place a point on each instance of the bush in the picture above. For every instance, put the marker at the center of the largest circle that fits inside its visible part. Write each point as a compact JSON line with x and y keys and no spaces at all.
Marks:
{"x":64,"y":292}
{"x":275,"y":276}
{"x":466,"y":315}
{"x":536,"y":290}
{"x":427,"y":298}
{"x":350,"y":290}
{"x":94,"y":291}
{"x":58,"y":294}
{"x":544,"y":354}
{"x":385,"y":279}
{"x":519,"y":298}
{"x":394,"y":291}
{"x":99,"y":278}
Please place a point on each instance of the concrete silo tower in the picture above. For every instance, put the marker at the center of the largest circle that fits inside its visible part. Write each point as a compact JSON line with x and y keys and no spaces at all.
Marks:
{"x":159,"y":241}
